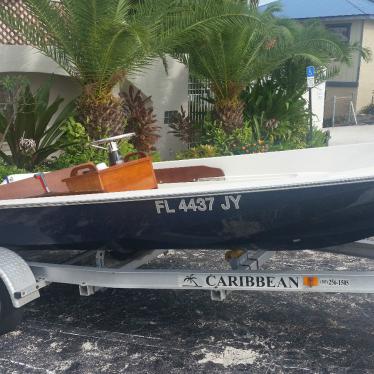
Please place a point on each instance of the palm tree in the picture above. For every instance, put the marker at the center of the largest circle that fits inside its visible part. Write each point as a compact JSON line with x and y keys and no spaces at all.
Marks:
{"x":234,"y":57}
{"x":99,"y":42}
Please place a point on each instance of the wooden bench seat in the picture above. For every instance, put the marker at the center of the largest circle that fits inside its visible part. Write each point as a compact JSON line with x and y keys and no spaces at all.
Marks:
{"x":187,"y":174}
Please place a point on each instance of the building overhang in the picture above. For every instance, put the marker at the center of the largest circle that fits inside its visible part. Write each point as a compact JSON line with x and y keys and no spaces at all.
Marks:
{"x":349,"y":18}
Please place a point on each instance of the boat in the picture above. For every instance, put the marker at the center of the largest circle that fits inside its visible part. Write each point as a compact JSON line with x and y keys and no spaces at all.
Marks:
{"x":289,"y":200}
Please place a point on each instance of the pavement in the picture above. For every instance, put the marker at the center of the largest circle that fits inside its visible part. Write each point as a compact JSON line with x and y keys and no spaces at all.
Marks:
{"x":147,"y":331}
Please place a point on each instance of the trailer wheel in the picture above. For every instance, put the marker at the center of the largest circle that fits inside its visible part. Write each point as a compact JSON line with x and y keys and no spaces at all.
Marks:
{"x":10,"y":317}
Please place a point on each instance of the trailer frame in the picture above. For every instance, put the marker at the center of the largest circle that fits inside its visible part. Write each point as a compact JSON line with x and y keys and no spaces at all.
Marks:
{"x":24,"y":279}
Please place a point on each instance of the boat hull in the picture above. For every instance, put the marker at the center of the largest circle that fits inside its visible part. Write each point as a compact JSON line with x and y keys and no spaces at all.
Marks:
{"x":283,"y":218}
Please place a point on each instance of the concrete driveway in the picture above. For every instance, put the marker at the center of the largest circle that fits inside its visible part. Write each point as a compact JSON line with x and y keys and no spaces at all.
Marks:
{"x":131,"y":331}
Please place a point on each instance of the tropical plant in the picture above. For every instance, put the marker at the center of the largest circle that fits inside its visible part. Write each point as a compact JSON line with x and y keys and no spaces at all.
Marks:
{"x":80,"y":148}
{"x":35,"y":129}
{"x":140,"y":119}
{"x":246,"y":139}
{"x":319,"y":138}
{"x":99,"y":42}
{"x":183,"y":127}
{"x":199,"y":151}
{"x":234,"y":58}
{"x":253,"y":137}
{"x":267,"y":97}
{"x":220,"y":57}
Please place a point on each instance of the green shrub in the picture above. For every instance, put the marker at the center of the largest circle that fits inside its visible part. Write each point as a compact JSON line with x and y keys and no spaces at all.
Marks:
{"x":6,"y":170}
{"x":255,"y":136}
{"x":156,"y":157}
{"x":80,"y":149}
{"x":247,"y":139}
{"x":214,"y":136}
{"x":368,"y":109}
{"x":124,"y":148}
{"x":320,"y":138}
{"x":214,"y":141}
{"x":200,"y":151}
{"x":273,"y":100}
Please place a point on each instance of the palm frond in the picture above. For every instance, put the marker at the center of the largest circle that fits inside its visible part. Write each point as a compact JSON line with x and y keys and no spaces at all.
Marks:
{"x":263,"y":44}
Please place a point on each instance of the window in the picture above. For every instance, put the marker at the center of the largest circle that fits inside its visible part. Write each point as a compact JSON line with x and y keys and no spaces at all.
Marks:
{"x":169,"y":116}
{"x":342,"y":30}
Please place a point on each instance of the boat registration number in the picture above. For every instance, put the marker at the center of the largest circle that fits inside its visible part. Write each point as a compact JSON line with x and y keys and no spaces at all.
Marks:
{"x":198,"y":204}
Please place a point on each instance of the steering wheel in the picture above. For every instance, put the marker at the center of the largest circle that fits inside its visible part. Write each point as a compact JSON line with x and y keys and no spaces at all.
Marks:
{"x":114,"y":138}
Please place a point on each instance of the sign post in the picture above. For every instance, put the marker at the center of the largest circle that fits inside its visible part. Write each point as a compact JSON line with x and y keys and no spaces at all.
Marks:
{"x":310,"y":77}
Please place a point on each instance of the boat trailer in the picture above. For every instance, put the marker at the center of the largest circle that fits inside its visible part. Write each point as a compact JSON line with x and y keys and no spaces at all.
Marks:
{"x":22,"y":280}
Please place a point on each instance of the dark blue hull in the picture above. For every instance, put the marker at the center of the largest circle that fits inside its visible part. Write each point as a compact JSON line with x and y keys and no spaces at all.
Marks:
{"x":282,"y":219}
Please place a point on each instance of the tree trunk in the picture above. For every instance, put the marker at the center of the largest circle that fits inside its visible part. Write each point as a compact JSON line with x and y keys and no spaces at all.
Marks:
{"x":229,"y":112}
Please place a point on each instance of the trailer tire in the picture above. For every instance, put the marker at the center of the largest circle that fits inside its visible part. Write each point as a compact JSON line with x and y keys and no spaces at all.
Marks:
{"x":10,"y":317}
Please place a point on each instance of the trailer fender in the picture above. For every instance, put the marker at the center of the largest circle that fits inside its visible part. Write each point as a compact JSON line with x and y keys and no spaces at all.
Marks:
{"x":18,"y":278}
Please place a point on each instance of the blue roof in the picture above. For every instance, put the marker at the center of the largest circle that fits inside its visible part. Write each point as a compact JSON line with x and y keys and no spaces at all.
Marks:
{"x":299,"y":9}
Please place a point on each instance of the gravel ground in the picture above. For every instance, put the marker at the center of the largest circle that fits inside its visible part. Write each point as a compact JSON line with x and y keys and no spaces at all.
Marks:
{"x":132,"y":331}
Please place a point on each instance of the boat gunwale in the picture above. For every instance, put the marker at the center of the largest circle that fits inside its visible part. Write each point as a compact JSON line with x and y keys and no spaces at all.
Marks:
{"x":164,"y":193}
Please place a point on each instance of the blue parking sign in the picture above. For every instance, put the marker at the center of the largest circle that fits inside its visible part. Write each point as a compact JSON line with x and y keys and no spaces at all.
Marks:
{"x":310,"y":71}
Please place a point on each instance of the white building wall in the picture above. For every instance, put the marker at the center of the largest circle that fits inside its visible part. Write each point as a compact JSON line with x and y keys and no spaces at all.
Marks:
{"x":365,"y":93}
{"x":26,"y":59}
{"x":169,"y":92}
